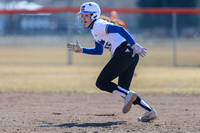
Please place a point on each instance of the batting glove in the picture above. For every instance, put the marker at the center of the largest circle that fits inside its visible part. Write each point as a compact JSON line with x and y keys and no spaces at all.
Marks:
{"x":140,"y":50}
{"x":75,"y":47}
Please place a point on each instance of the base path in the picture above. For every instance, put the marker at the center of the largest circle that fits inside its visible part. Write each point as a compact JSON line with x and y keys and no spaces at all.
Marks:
{"x":95,"y":113}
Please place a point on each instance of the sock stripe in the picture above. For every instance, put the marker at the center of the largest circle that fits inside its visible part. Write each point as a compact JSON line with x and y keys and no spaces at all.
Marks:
{"x":123,"y":90}
{"x":145,"y":107}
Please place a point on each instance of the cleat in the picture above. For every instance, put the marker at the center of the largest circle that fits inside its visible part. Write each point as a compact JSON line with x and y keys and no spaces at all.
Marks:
{"x":128,"y":101}
{"x":148,"y":116}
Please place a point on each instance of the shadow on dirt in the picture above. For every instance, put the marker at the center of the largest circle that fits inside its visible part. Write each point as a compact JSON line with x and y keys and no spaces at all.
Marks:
{"x":105,"y":124}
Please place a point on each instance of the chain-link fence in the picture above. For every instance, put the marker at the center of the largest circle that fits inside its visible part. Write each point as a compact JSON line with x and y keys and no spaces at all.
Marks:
{"x":174,"y":42}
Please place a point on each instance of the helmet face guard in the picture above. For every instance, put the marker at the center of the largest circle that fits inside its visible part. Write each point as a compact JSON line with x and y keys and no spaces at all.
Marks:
{"x":91,"y":8}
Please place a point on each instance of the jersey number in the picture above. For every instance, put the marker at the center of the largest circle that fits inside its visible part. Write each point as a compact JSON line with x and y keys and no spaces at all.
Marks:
{"x":108,"y":46}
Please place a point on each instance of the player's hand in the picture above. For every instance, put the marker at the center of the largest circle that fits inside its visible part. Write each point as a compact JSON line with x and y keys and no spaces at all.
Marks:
{"x":75,"y":47}
{"x":140,"y":50}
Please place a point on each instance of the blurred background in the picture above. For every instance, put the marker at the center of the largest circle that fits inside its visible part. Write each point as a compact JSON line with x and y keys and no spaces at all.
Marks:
{"x":32,"y":44}
{"x":170,"y":32}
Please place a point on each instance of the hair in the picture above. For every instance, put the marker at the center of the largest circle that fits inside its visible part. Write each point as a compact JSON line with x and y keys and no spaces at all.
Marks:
{"x":111,"y":20}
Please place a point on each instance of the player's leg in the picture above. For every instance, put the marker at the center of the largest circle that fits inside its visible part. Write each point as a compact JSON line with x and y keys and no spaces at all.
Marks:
{"x":112,"y":70}
{"x":149,"y":114}
{"x":125,"y":81}
{"x":117,"y":64}
{"x":125,"y":78}
{"x":115,"y":67}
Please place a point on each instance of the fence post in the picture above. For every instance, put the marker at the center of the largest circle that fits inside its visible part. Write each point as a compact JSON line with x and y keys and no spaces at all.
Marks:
{"x":69,"y":39}
{"x":174,"y":32}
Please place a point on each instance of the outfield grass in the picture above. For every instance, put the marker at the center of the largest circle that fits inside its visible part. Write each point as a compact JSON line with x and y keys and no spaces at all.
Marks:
{"x":44,"y":69}
{"x":82,"y":79}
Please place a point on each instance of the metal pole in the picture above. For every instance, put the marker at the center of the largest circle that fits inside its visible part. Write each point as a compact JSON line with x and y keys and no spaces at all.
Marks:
{"x":69,"y":39}
{"x":174,"y":30}
{"x":13,"y":4}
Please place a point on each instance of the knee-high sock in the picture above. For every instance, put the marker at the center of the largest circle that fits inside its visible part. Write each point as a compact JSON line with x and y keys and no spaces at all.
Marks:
{"x":121,"y":91}
{"x":142,"y":104}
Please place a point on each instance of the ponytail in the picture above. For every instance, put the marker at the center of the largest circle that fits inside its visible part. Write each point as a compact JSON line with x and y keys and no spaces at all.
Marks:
{"x":111,"y":20}
{"x":114,"y":21}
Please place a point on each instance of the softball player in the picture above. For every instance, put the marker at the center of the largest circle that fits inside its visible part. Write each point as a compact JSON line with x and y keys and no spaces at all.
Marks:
{"x":125,"y":55}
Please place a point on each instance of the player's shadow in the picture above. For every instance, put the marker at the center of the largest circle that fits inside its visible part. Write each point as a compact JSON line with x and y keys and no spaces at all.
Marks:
{"x":105,"y":124}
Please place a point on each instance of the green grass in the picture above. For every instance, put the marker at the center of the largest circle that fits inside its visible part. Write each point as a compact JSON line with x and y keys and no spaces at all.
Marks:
{"x":30,"y":68}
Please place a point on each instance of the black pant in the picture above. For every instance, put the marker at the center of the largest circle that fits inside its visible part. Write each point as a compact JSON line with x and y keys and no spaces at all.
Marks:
{"x":121,"y":65}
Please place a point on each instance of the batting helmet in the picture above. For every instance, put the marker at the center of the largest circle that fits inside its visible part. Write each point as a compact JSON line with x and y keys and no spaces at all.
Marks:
{"x":91,"y":7}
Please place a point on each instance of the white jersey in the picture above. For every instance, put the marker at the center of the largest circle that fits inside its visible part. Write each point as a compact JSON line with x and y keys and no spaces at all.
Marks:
{"x":110,"y":41}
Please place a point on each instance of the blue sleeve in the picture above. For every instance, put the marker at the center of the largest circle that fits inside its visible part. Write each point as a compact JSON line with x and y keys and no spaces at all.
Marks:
{"x":123,"y":32}
{"x":97,"y":50}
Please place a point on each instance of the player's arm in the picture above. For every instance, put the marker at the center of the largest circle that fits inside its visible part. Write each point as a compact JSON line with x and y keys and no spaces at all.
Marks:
{"x":124,"y":33}
{"x":97,"y":50}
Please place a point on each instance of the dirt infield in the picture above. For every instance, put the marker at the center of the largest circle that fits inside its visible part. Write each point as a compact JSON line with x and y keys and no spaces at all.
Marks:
{"x":95,"y":113}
